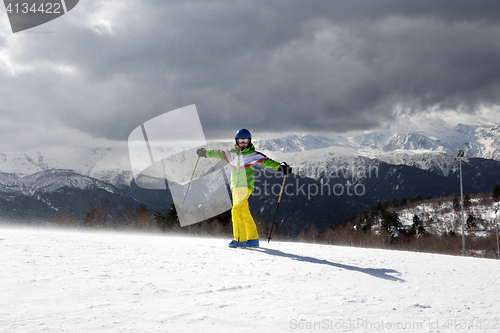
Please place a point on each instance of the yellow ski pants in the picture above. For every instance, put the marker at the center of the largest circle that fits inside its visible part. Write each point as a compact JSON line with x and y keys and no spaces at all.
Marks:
{"x":244,"y":227}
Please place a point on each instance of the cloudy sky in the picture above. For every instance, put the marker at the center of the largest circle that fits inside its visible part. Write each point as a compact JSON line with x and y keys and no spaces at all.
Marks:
{"x":91,"y":76}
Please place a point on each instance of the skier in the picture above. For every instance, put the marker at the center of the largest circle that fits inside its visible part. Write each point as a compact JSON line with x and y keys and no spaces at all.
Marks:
{"x":242,"y":159}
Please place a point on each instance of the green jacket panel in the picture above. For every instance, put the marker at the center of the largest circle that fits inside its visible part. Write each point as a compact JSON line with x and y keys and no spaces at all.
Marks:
{"x":242,"y":164}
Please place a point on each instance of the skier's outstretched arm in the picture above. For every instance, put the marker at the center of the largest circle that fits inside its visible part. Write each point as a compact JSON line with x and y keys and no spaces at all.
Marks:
{"x":281,"y":167}
{"x":219,"y":154}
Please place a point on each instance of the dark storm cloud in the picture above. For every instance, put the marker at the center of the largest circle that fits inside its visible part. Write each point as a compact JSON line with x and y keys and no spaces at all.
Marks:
{"x":266,"y":65}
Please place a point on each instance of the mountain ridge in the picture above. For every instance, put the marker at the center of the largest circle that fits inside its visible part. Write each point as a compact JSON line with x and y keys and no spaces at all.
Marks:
{"x":347,"y":163}
{"x":113,"y":165}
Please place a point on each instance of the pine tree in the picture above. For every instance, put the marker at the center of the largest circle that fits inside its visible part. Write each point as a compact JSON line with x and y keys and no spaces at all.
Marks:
{"x":93,"y":219}
{"x":313,"y":233}
{"x":390,"y":222}
{"x":101,"y":216}
{"x":496,"y":192}
{"x":471,"y":221}
{"x":141,"y":219}
{"x":467,"y":201}
{"x":417,"y":227}
{"x":415,"y":224}
{"x":166,"y":221}
{"x":65,"y":220}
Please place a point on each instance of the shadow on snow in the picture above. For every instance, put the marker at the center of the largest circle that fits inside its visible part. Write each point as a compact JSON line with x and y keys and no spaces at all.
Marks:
{"x":376,"y":272}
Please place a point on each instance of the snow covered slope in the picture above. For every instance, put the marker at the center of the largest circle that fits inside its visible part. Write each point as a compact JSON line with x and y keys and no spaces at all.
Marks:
{"x":442,"y":218}
{"x":114,"y":282}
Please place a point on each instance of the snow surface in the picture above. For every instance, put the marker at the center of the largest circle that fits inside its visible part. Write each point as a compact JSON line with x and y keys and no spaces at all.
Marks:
{"x":80,"y":281}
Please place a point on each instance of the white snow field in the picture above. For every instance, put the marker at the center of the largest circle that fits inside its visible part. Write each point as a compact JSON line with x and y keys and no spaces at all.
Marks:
{"x":80,"y":281}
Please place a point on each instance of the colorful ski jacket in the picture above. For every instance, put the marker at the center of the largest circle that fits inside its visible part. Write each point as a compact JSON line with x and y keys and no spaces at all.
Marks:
{"x":242,"y":164}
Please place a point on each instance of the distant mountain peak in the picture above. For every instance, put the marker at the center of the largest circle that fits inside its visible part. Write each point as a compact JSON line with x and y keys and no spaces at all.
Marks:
{"x":295,"y":143}
{"x":413,"y":141}
{"x":476,"y":140}
{"x":112,"y":165}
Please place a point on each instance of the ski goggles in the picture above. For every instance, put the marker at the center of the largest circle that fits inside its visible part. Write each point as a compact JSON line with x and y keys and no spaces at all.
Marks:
{"x":245,"y":140}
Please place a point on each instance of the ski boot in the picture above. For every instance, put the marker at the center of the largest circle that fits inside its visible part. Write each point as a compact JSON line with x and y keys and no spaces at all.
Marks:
{"x":253,"y":243}
{"x":237,"y":244}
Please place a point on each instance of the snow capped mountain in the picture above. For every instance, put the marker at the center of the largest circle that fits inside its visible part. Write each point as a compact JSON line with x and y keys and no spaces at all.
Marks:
{"x":50,"y":181}
{"x":111,"y":165}
{"x":428,"y":151}
{"x":414,"y":141}
{"x":476,"y":141}
{"x":483,"y":142}
{"x":42,"y":195}
{"x":381,"y":165}
{"x":431,"y":151}
{"x":369,"y":140}
{"x":435,"y":152}
{"x":439,"y":162}
{"x":295,"y":143}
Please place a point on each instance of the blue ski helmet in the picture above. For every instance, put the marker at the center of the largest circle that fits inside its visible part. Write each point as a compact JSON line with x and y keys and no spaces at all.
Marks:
{"x":242,"y":133}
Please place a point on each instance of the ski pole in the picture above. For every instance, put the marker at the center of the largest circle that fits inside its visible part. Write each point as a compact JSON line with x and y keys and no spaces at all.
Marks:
{"x":185,"y":195}
{"x":276,"y":212}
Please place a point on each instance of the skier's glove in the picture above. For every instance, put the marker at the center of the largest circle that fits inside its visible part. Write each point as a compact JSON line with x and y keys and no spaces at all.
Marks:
{"x":202,"y":152}
{"x":285,"y":168}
